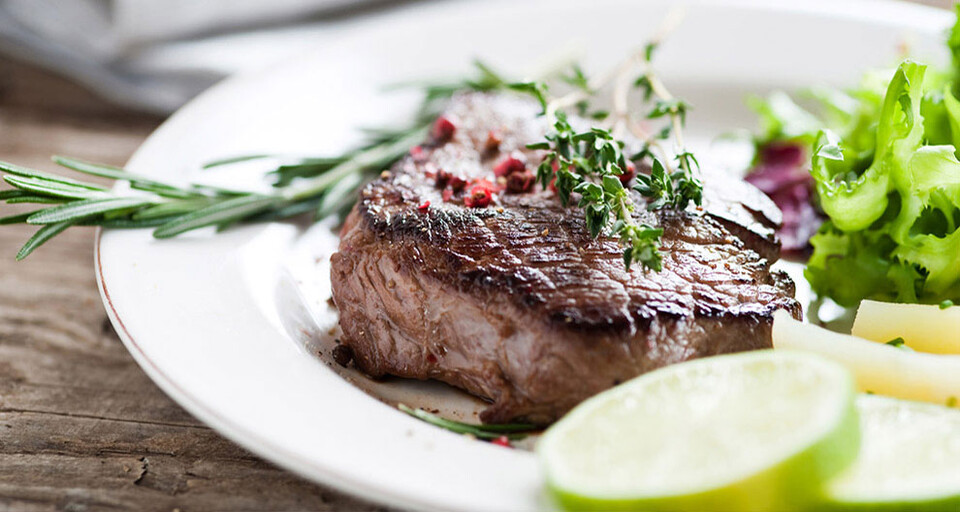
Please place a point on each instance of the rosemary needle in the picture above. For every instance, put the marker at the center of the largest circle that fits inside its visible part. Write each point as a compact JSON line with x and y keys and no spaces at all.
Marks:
{"x":321,"y":185}
{"x":589,"y":163}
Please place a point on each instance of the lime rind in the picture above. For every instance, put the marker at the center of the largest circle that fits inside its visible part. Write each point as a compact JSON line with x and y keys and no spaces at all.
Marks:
{"x":785,"y":477}
{"x":909,"y":460}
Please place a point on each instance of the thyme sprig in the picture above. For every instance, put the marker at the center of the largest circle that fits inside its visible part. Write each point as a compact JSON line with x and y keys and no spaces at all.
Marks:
{"x":666,"y":186}
{"x":591,"y":163}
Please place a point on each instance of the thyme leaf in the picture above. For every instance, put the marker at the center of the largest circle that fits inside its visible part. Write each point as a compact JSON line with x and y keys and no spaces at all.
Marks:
{"x":592,"y":163}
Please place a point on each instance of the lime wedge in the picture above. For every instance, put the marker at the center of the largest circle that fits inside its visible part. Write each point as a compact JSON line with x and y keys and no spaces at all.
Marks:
{"x":909,"y":459}
{"x":755,"y":431}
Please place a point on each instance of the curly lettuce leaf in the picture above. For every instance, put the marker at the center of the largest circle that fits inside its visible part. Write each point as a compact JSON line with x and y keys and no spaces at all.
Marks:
{"x":951,"y":110}
{"x":853,"y":201}
{"x":937,"y":128}
{"x":850,"y":266}
{"x":894,"y":229}
{"x":885,"y":168}
{"x":926,"y":227}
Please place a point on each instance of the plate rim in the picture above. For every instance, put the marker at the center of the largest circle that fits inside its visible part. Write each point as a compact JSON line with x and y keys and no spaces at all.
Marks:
{"x":258,"y":445}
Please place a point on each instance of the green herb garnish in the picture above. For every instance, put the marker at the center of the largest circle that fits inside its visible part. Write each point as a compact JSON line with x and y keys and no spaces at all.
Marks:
{"x":174,"y":209}
{"x":946,"y":303}
{"x":897,"y":342}
{"x":591,"y":162}
{"x":884,"y":162}
{"x":900,"y":343}
{"x":512,"y":431}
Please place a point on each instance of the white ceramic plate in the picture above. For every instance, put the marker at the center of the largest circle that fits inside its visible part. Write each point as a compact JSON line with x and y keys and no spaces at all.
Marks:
{"x":229,"y":325}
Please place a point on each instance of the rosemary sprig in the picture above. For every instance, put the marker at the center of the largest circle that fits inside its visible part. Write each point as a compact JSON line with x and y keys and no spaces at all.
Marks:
{"x":435,"y":94}
{"x":321,"y":185}
{"x":170,"y":208}
{"x":512,"y":431}
{"x":174,"y":209}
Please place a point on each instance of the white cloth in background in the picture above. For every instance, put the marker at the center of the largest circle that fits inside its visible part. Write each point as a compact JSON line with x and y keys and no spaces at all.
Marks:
{"x":157,"y":54}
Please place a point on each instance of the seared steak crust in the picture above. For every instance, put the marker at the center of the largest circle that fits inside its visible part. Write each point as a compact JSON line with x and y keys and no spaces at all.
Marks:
{"x":516,"y":303}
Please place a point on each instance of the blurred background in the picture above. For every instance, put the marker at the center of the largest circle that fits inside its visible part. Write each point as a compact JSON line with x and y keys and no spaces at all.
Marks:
{"x":154,"y":55}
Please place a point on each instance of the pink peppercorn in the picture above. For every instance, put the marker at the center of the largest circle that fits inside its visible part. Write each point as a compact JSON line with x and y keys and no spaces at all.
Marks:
{"x":489,"y":185}
{"x":443,"y":129}
{"x":628,"y":173}
{"x":493,"y":141}
{"x":457,"y":183}
{"x":443,"y":177}
{"x":520,"y":182}
{"x":509,"y":166}
{"x":480,"y":197}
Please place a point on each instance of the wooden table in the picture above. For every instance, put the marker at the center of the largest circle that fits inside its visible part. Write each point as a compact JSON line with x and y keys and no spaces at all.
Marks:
{"x":81,"y":426}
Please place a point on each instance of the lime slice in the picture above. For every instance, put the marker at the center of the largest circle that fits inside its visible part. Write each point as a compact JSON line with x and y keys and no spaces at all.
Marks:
{"x":909,"y":458}
{"x":755,"y":431}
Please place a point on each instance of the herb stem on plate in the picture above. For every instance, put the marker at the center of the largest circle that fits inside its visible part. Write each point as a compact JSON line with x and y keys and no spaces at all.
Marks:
{"x":512,"y":431}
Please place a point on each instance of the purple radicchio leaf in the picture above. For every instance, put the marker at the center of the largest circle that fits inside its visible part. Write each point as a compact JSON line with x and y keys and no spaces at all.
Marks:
{"x":781,"y":172}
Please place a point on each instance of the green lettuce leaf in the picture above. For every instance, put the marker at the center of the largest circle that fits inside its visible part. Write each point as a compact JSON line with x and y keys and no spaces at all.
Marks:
{"x":884,"y":158}
{"x":782,"y":119}
{"x":853,"y":201}
{"x":925,"y":228}
{"x":850,"y":266}
{"x":894,"y":229}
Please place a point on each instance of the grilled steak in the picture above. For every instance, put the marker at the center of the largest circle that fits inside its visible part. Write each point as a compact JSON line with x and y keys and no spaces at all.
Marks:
{"x":514,"y":301}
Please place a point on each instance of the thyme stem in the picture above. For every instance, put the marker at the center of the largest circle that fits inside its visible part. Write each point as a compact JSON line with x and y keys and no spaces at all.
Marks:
{"x":591,"y":163}
{"x":675,"y":116}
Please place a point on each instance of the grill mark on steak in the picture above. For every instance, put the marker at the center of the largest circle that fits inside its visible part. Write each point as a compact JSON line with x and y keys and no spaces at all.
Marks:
{"x":516,"y":303}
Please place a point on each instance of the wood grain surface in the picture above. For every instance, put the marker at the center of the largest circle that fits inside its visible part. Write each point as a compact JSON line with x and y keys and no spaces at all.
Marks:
{"x":81,"y":426}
